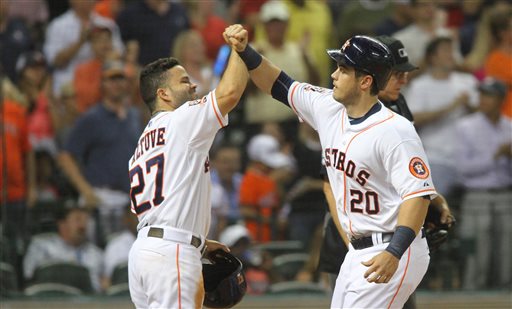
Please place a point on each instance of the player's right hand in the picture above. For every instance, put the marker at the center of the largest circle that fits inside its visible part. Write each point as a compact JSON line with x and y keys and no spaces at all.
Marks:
{"x":381,"y":267}
{"x":236,"y":37}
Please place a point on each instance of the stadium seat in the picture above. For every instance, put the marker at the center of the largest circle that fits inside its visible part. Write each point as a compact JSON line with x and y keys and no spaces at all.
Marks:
{"x":51,"y":290}
{"x":120,"y":274}
{"x":66,"y":273}
{"x":288,"y":265}
{"x":8,"y":279}
{"x":121,"y":289}
{"x":276,"y":248}
{"x":297,"y":287}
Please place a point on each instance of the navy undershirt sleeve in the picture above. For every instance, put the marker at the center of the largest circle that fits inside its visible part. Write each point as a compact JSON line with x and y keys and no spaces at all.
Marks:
{"x":280,"y":88}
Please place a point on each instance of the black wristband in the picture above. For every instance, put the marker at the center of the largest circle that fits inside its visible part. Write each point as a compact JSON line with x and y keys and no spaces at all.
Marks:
{"x":250,"y":57}
{"x":401,"y":240}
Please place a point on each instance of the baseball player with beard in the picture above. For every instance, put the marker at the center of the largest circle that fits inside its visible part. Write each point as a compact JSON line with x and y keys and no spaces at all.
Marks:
{"x":376,"y":166}
{"x":170,"y":181}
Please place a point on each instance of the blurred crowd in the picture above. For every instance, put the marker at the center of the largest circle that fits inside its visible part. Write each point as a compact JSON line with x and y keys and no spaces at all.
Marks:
{"x":71,"y":118}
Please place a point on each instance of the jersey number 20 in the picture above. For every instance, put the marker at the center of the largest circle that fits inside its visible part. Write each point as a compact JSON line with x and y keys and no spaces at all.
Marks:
{"x":370,"y":200}
{"x":158,"y":183}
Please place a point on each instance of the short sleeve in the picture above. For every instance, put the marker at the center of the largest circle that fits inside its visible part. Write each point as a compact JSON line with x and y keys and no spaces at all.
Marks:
{"x":409,"y":170}
{"x":308,"y":101}
{"x":200,"y":120}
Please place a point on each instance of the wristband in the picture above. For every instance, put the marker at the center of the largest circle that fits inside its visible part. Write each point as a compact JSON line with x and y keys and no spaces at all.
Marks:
{"x":250,"y":57}
{"x":401,"y":240}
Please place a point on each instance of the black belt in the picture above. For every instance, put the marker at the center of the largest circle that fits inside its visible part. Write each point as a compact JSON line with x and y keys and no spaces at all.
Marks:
{"x":367,"y":242}
{"x":158,"y":232}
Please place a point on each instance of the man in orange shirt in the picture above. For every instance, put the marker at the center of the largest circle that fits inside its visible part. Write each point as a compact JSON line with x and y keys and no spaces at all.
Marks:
{"x":18,"y":188}
{"x":499,"y":61}
{"x":259,"y":196}
{"x":87,"y":80}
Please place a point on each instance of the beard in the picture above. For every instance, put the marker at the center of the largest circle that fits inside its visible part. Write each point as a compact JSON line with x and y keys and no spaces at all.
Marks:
{"x":184,"y":96}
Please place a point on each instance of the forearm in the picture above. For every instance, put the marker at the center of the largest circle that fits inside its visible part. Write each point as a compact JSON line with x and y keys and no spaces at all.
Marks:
{"x":265,"y":75}
{"x":232,"y":84}
{"x":65,"y":55}
{"x":331,"y":202}
{"x":412,"y":213}
{"x":73,"y":173}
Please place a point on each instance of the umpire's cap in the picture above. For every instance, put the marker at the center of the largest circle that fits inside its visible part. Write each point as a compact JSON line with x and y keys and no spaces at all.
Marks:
{"x":224,"y":281}
{"x":398,"y":52}
{"x":368,"y":55}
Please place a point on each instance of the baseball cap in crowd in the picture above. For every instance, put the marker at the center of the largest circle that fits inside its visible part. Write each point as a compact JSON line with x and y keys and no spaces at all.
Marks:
{"x":264,"y":148}
{"x":112,"y":68}
{"x":493,"y":87}
{"x":272,"y":10}
{"x":400,"y":56}
{"x":30,"y":59}
{"x":233,"y":234}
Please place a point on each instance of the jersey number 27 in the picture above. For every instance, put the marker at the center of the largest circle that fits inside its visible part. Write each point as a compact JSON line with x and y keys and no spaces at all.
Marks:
{"x":138,"y":171}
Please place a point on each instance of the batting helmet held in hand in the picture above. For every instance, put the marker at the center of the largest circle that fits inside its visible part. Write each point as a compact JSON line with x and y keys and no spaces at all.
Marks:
{"x":366,"y":54}
{"x":224,"y":281}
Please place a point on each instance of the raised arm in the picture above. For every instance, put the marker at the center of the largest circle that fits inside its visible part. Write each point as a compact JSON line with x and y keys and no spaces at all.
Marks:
{"x":233,"y":82}
{"x":263,"y":72}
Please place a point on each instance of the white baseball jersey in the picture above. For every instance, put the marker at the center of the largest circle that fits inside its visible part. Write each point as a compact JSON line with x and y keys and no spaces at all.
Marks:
{"x":169,"y":171}
{"x":373,"y":166}
{"x":374,"y":163}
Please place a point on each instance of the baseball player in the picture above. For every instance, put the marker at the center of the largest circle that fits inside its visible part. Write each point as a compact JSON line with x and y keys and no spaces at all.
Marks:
{"x":394,"y":100}
{"x":170,"y":181}
{"x":376,"y":166}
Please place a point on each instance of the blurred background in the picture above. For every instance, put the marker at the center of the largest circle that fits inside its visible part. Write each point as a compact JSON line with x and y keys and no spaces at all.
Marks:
{"x":66,"y":225}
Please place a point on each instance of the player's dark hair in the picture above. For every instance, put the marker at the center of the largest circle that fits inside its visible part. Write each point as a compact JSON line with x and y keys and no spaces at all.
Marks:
{"x":374,"y":90}
{"x":152,"y":77}
{"x":433,"y":46}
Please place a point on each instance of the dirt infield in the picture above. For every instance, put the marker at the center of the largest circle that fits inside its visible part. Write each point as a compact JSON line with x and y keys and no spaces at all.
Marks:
{"x":425,"y":300}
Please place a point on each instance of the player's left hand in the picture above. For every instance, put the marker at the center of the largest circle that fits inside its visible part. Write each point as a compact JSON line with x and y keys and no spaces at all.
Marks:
{"x":236,"y":36}
{"x":212,"y":245}
{"x":381,"y":267}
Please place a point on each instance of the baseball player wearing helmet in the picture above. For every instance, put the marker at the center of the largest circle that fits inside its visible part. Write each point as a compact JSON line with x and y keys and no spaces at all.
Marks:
{"x":439,"y":212}
{"x":376,"y":166}
{"x":170,"y":182}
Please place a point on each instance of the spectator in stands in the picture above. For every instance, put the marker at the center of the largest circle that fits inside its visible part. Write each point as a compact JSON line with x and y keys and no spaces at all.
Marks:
{"x":64,"y":113}
{"x":226,"y":178}
{"x":484,"y":160}
{"x":401,"y":17}
{"x":426,"y":26}
{"x":15,"y":39}
{"x":33,"y":83}
{"x":69,"y":245}
{"x":305,"y":196}
{"x":310,"y":24}
{"x":210,"y":26}
{"x":20,"y":184}
{"x":87,"y":76}
{"x":499,"y":61}
{"x":360,"y":17}
{"x":98,"y":147}
{"x":289,"y":55}
{"x":118,"y":247}
{"x":67,"y":40}
{"x":189,"y":49}
{"x":108,"y":8}
{"x":157,"y":25}
{"x":260,"y":199}
{"x":437,"y":99}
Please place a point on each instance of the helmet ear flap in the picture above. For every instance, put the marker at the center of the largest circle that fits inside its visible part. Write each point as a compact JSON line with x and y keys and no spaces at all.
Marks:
{"x":224,"y":280}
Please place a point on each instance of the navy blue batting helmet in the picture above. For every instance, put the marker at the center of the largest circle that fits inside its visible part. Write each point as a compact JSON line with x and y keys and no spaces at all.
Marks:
{"x":224,"y":280}
{"x":368,"y":55}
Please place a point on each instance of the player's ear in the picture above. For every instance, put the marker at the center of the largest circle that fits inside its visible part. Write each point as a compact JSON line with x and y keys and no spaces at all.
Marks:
{"x":366,"y":82}
{"x":164,"y":94}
